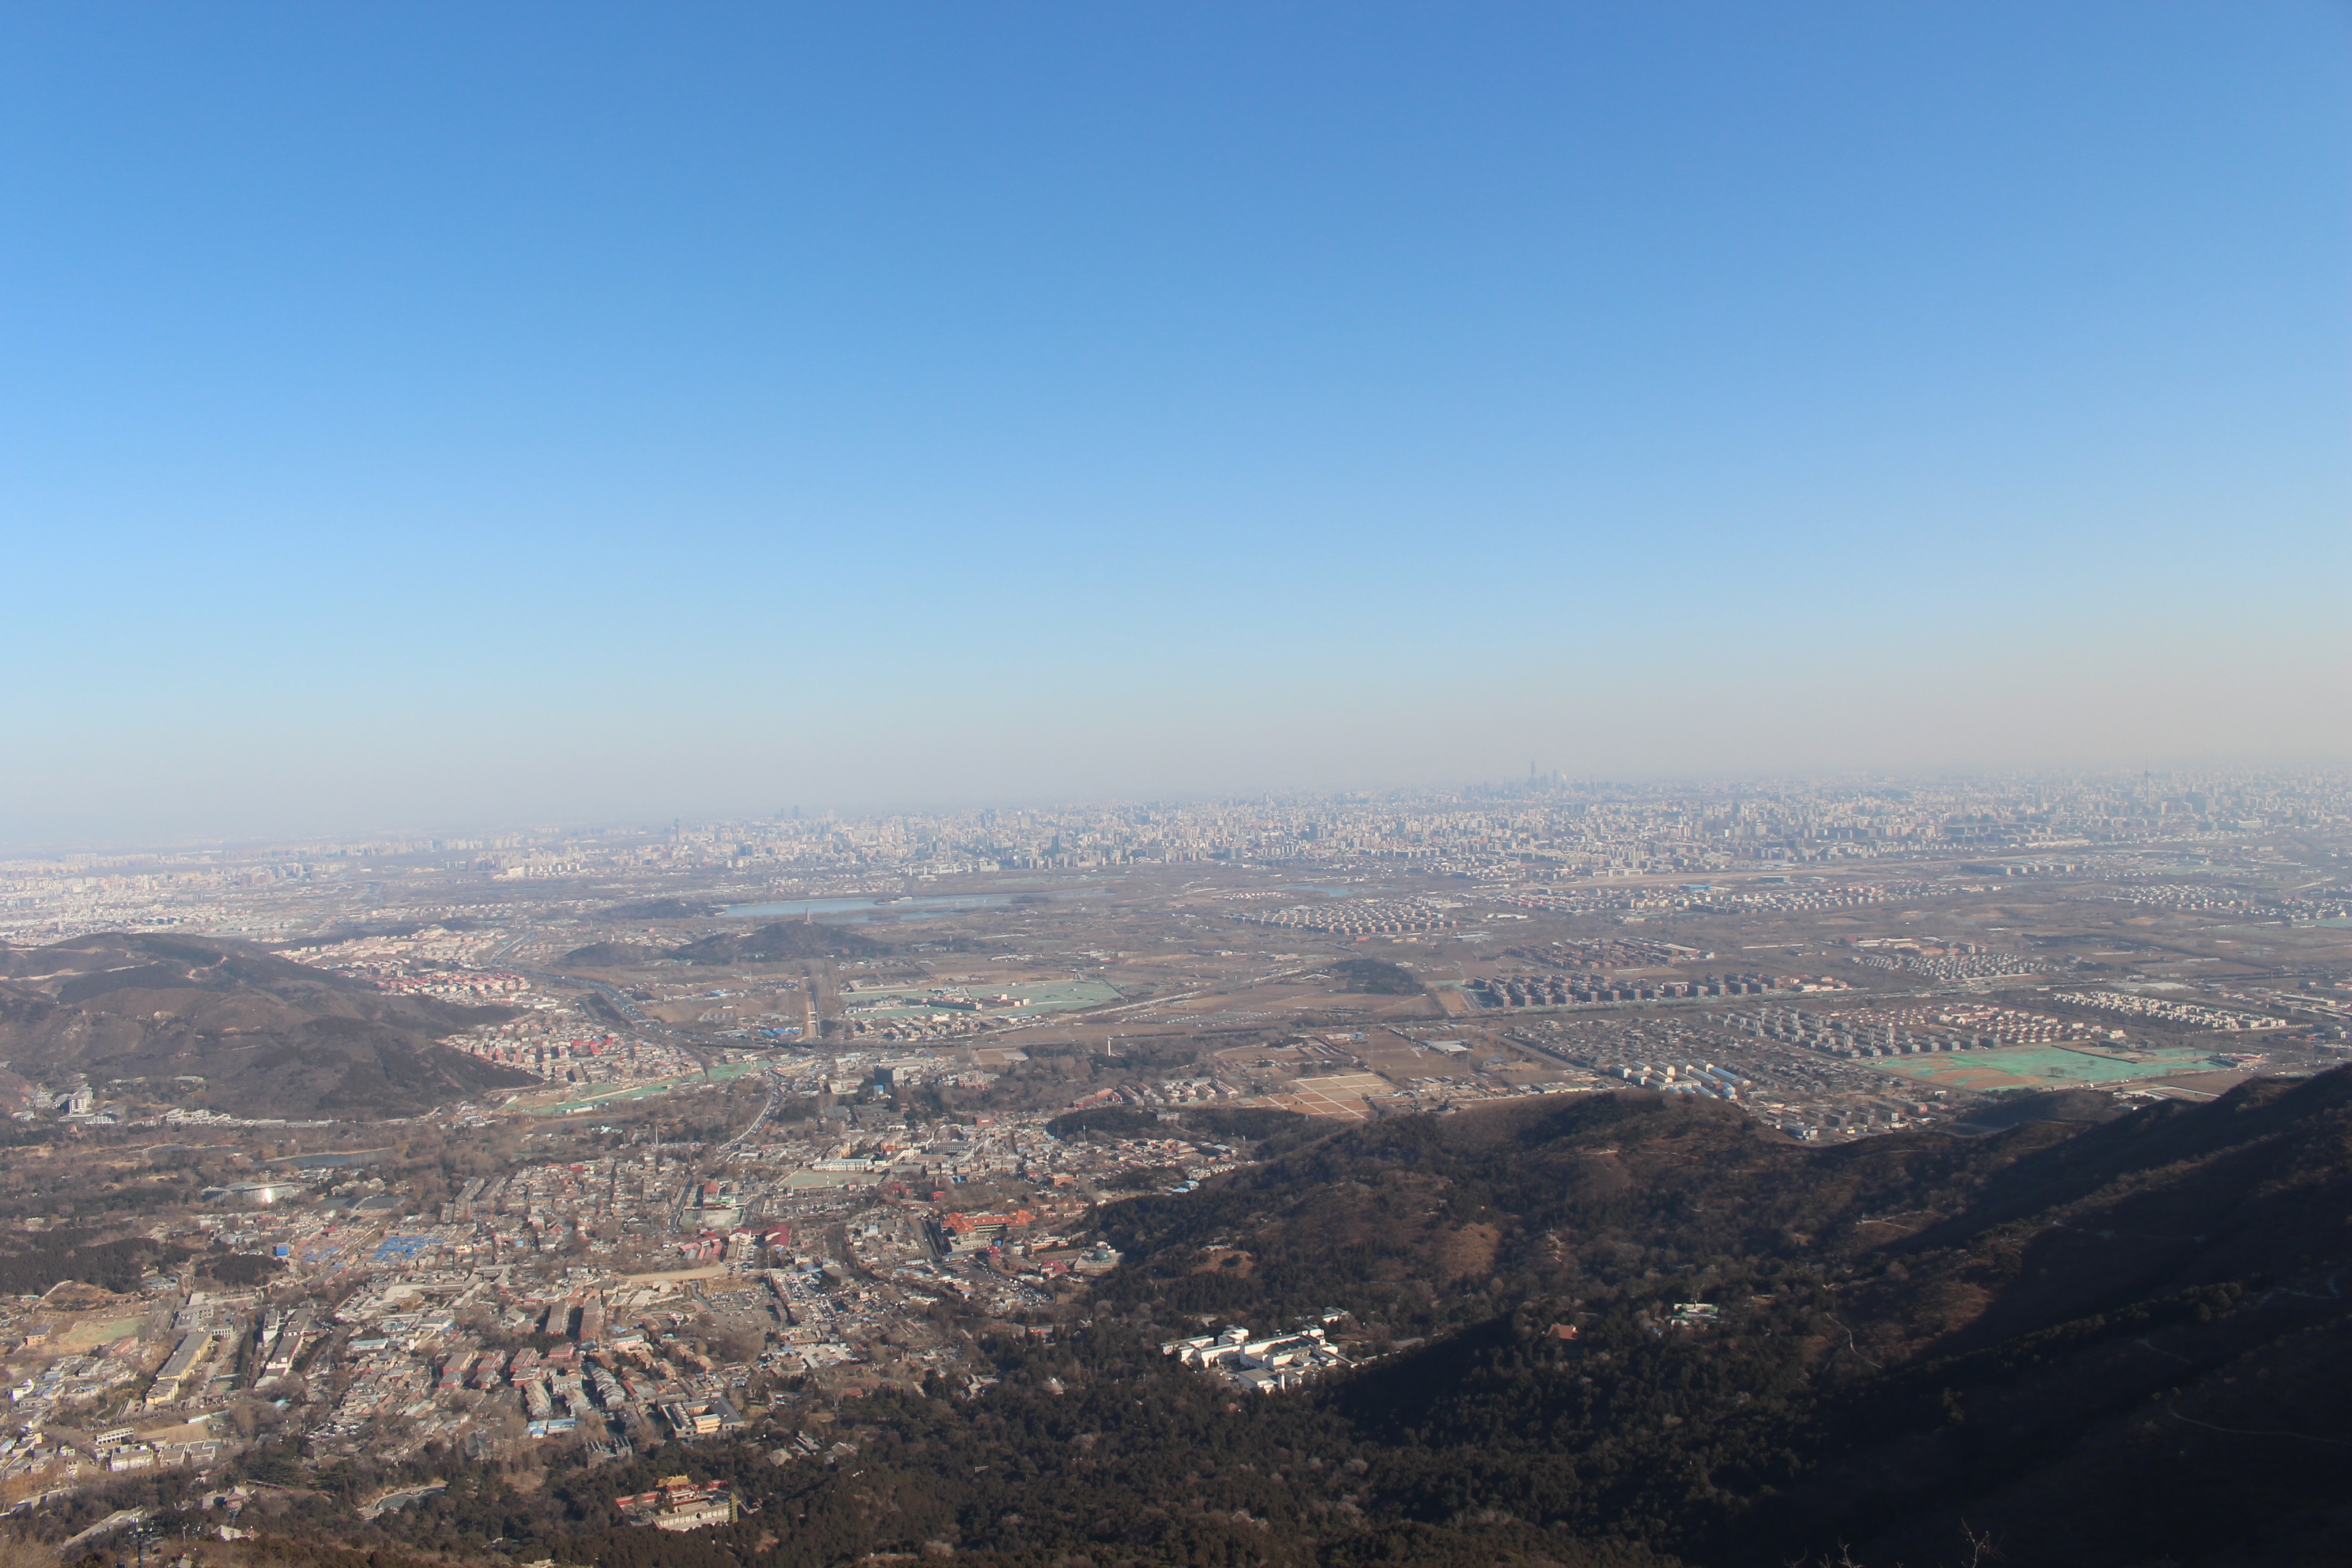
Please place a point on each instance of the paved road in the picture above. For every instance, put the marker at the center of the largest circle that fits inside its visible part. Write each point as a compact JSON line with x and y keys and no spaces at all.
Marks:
{"x":112,"y":1522}
{"x":775,"y":1103}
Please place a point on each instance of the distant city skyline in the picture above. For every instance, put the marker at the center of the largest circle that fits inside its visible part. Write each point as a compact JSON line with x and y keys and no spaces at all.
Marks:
{"x":1905,"y":812}
{"x":425,"y":416}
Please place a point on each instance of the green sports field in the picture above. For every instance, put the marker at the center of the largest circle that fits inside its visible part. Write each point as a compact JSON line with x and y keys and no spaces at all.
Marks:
{"x":2038,"y":1066}
{"x":1042,"y":996}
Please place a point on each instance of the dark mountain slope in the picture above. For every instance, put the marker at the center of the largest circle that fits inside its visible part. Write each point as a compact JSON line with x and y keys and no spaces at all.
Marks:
{"x":1915,"y":1341}
{"x":2001,"y":1112}
{"x":269,"y":1037}
{"x":1414,"y":1222}
{"x":1915,"y":1332}
{"x":2164,"y":1357}
{"x":2253,"y":1187}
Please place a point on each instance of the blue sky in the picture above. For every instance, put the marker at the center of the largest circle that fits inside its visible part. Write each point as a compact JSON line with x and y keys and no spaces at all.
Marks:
{"x":424,"y":414}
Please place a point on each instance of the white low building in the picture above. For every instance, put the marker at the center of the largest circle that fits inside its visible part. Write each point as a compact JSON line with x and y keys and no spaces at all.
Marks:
{"x":1268,"y":1363}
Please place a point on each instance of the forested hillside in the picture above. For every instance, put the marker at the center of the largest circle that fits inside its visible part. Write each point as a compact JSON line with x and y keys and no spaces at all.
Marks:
{"x":2090,"y":1343}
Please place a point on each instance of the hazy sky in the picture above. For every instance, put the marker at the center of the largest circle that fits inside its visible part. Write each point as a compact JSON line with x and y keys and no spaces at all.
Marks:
{"x":423,"y":415}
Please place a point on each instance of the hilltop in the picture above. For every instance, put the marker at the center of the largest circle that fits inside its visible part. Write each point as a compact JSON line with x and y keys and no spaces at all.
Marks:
{"x":268,"y":1037}
{"x":783,"y":940}
{"x":614,"y":955}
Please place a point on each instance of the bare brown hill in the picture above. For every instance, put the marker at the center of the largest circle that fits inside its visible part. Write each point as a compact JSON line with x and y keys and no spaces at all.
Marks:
{"x":268,"y":1037}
